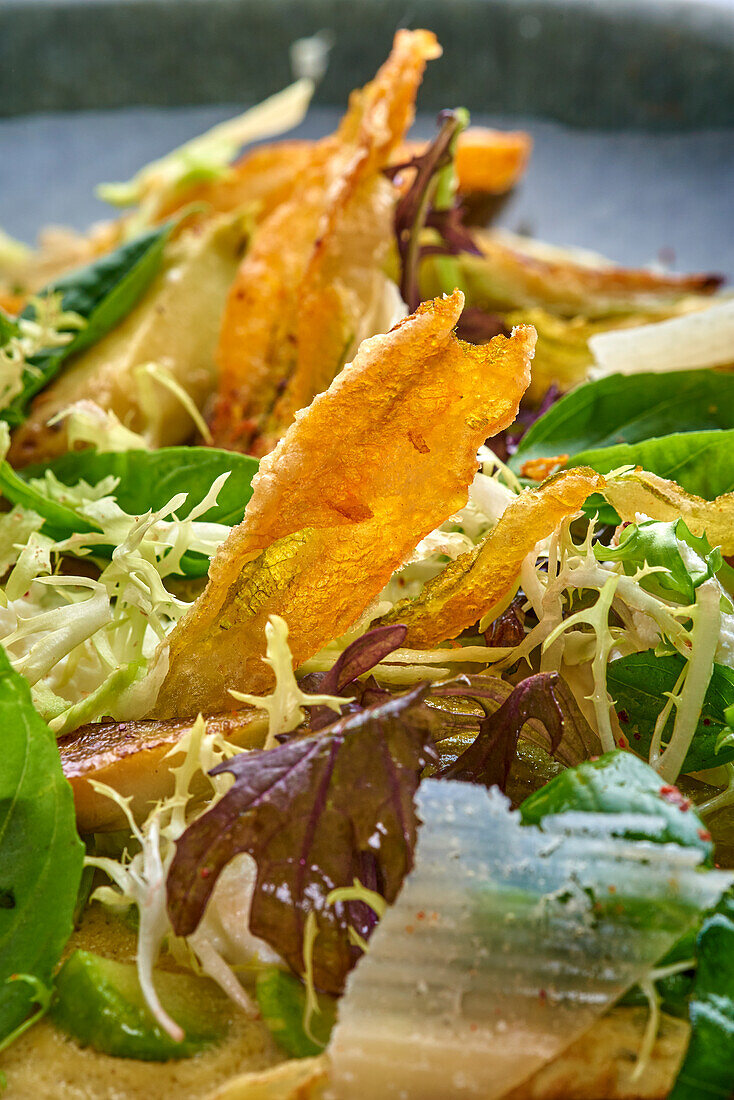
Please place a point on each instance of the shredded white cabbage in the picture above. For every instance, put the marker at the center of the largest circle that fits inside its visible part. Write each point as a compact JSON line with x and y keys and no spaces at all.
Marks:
{"x":93,"y":426}
{"x":89,"y":645}
{"x":140,"y":879}
{"x":52,"y":327}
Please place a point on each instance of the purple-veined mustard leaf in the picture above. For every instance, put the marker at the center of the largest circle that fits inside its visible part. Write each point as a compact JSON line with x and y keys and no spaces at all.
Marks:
{"x":541,"y":707}
{"x":357,"y":659}
{"x":315,"y":813}
{"x":429,"y":201}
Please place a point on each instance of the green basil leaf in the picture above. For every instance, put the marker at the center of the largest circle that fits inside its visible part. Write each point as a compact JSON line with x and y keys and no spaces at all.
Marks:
{"x":637,"y":684}
{"x":659,"y":544}
{"x":8,"y":328}
{"x":630,"y":409}
{"x":102,"y":293}
{"x":620,"y":783}
{"x":40,"y":852}
{"x":701,"y":462}
{"x":148,"y":479}
{"x":708,"y":1067}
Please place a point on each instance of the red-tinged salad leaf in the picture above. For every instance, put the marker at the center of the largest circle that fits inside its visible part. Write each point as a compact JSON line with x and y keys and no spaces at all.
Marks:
{"x":708,"y":1067}
{"x":315,"y":813}
{"x":508,"y":629}
{"x":429,"y":202}
{"x":477,"y":326}
{"x":357,"y":659}
{"x":490,"y":757}
{"x":541,"y":709}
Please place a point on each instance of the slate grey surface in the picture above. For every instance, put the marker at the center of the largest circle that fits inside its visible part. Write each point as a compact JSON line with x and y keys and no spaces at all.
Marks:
{"x":655,"y":63}
{"x":635,"y":196}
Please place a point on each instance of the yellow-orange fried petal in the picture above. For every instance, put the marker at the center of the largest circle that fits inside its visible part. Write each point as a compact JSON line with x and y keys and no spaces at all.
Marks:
{"x":296,"y":307}
{"x":372,"y":466}
{"x":478,"y":580}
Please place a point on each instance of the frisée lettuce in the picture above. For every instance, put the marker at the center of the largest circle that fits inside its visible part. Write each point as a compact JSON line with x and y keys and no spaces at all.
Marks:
{"x":95,"y":571}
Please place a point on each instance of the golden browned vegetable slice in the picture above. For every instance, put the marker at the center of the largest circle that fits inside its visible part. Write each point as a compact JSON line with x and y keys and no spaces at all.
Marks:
{"x":298,"y":1079}
{"x":175,"y":325}
{"x":130,"y":756}
{"x":491,"y":161}
{"x":601,"y":1065}
{"x":474,"y":583}
{"x":513,"y":273}
{"x":374,"y":464}
{"x":653,"y":496}
{"x":298,"y":303}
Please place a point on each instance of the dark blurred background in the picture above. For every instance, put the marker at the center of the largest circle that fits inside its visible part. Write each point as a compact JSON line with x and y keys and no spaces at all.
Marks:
{"x":631,"y":102}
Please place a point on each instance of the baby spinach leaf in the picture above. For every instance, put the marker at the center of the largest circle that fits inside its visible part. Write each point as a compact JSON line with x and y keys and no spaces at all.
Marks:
{"x":148,"y":479}
{"x":620,"y":783}
{"x":701,"y":462}
{"x":102,"y":293}
{"x":659,"y":544}
{"x":315,"y":813}
{"x":40,"y":852}
{"x":708,"y":1067}
{"x":628,"y":409}
{"x":638,"y":684}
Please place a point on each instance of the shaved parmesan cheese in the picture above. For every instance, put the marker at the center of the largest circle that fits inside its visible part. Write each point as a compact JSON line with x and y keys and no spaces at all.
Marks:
{"x":701,"y":339}
{"x":505,"y":945}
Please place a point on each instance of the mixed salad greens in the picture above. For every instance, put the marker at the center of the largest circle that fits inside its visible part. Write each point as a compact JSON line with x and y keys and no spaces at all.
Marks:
{"x":324,"y":513}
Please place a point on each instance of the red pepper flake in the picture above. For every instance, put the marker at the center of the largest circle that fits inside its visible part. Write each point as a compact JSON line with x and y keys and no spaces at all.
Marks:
{"x":673,"y":795}
{"x":420,"y":915}
{"x":542,"y":995}
{"x":706,"y":722}
{"x":637,"y":736}
{"x":473,"y":1027}
{"x":623,"y":742}
{"x":623,"y":716}
{"x":205,"y":872}
{"x":704,"y":834}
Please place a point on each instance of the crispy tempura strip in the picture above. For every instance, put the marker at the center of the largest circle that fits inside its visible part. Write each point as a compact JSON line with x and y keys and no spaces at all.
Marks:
{"x":488,"y":161}
{"x":130,"y":756}
{"x":373,"y":465}
{"x":474,"y":583}
{"x":514,"y":274}
{"x":295,"y":307}
{"x":645,"y":493}
{"x":261,"y":179}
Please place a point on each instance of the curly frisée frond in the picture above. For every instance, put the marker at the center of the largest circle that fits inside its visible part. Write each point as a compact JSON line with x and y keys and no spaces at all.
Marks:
{"x":87,"y":642}
{"x":140,"y":879}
